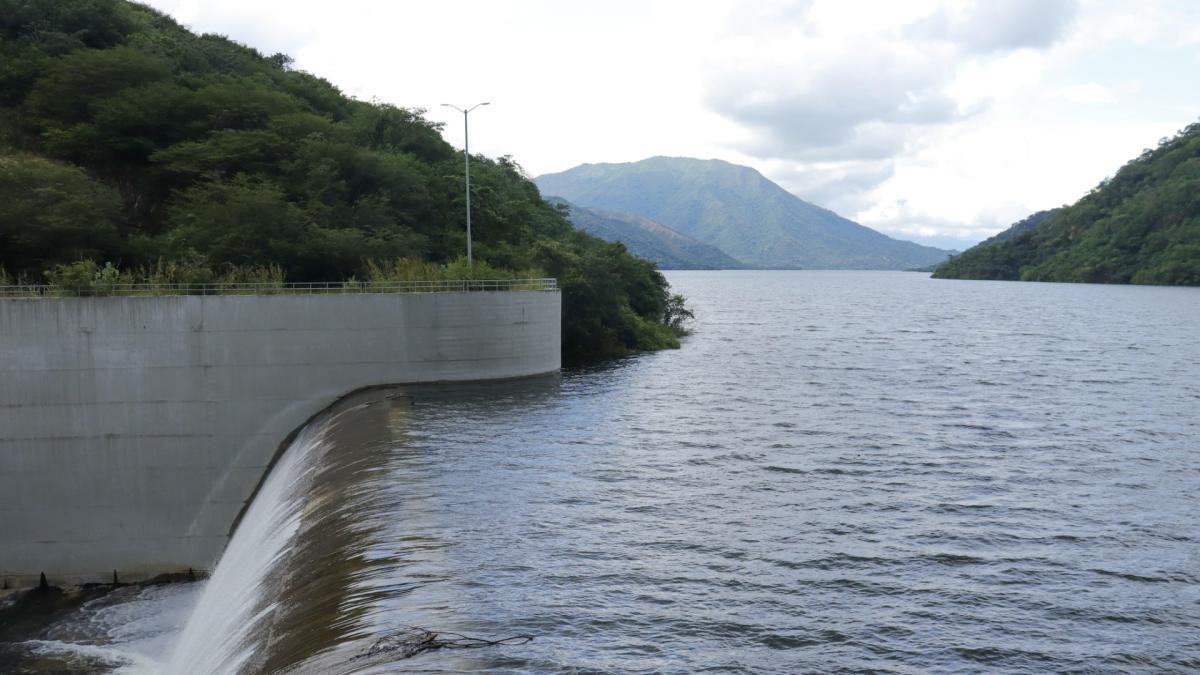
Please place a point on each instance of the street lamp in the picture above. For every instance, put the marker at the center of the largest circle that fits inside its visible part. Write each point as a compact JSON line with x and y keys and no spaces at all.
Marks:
{"x":467,"y":170}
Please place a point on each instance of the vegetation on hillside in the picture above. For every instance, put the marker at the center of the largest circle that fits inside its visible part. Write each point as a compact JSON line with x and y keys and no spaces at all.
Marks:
{"x":1026,"y":224}
{"x":647,"y":239}
{"x":1142,"y":226}
{"x":126,"y":139}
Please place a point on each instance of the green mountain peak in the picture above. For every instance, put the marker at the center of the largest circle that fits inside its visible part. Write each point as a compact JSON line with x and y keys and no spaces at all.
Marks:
{"x":738,"y":210}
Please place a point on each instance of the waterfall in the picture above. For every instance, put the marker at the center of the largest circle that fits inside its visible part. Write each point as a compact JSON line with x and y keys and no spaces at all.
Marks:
{"x":312,"y":576}
{"x":222,"y":635}
{"x":278,"y":597}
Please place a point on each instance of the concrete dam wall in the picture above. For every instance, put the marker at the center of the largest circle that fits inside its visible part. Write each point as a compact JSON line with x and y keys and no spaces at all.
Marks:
{"x":134,"y":430}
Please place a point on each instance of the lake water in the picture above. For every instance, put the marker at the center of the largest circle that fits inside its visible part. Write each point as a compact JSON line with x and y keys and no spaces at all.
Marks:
{"x":838,"y":472}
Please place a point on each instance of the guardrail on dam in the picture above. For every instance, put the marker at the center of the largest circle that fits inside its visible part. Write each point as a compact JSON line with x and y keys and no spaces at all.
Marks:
{"x":133,"y":430}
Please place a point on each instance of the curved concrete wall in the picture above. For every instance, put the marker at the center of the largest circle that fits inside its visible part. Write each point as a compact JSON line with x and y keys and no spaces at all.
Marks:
{"x":134,"y":430}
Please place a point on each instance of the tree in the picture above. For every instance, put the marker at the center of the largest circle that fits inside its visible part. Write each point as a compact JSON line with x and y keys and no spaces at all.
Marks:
{"x":53,"y":213}
{"x":242,"y":221}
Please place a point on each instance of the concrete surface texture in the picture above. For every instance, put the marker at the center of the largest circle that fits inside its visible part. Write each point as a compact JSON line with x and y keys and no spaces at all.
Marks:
{"x":134,"y":430}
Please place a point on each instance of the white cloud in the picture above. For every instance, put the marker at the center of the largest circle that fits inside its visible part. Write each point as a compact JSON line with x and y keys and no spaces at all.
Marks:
{"x":844,"y":187}
{"x":964,"y":101}
{"x":978,"y":83}
{"x":1087,"y":94}
{"x":822,"y":98}
{"x":998,"y":25}
{"x":254,"y":24}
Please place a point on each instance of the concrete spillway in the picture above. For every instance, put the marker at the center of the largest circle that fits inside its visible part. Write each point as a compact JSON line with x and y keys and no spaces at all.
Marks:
{"x":134,"y":430}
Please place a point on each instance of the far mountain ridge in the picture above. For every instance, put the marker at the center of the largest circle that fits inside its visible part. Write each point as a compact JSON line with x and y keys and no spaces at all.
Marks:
{"x":738,"y":210}
{"x":648,"y":239}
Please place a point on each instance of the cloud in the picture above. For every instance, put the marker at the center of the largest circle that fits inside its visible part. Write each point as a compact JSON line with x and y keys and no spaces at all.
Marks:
{"x":253,"y":24}
{"x":902,"y":219}
{"x":984,"y":26}
{"x":826,"y":81}
{"x":833,"y":100}
{"x":843,"y":187}
{"x":1086,"y":94}
{"x":866,"y":142}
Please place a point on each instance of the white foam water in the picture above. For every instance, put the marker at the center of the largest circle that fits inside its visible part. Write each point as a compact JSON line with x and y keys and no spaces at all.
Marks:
{"x":120,"y":658}
{"x":219,"y":638}
{"x":129,"y":631}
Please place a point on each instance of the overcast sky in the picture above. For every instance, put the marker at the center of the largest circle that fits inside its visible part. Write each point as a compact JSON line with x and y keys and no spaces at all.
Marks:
{"x":941,"y":121}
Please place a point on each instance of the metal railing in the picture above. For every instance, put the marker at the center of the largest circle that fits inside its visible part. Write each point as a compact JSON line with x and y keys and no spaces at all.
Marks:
{"x":100,"y":289}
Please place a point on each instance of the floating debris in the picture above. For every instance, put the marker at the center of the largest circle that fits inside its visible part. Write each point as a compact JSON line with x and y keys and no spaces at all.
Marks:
{"x":409,"y":641}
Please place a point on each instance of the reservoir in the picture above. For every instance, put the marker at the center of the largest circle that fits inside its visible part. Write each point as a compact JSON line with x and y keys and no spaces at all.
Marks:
{"x":838,"y":472}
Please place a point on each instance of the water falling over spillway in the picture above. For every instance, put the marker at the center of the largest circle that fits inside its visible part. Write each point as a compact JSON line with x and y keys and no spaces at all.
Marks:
{"x":219,"y":636}
{"x":338,"y":565}
{"x":277,"y":596}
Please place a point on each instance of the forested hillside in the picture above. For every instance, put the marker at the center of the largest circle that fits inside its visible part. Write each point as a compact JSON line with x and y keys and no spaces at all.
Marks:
{"x":1026,"y":224}
{"x":1142,"y":227}
{"x":125,"y":138}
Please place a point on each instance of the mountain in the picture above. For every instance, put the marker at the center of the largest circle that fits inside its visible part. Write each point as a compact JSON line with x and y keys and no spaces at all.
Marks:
{"x":738,"y":210}
{"x":1142,"y":226}
{"x":647,"y":239}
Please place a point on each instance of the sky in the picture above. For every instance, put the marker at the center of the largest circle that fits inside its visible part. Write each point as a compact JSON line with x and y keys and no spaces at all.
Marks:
{"x":938,"y":121}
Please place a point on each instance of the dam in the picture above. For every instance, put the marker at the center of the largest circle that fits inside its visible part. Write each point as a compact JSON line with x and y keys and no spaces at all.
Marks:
{"x":134,"y":431}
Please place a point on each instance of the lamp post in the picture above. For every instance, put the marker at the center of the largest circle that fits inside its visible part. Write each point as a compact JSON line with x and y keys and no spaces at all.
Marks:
{"x":467,"y":169}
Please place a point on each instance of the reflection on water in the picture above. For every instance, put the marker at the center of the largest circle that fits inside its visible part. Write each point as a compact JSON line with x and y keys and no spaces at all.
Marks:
{"x":838,"y":472}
